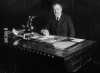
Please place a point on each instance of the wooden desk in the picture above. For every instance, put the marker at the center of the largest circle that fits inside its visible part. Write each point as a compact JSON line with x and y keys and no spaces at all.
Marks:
{"x":72,"y":58}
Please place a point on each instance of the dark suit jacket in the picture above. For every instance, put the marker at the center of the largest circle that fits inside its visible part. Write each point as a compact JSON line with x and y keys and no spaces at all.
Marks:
{"x":63,"y":27}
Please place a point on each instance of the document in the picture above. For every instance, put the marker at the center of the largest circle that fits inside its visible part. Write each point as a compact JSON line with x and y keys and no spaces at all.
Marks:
{"x":51,"y":39}
{"x":63,"y":45}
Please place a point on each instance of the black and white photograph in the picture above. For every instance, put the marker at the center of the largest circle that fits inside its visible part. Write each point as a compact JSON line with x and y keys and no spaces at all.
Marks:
{"x":49,"y":36}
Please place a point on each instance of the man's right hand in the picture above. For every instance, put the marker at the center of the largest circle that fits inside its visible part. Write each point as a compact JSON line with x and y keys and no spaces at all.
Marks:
{"x":45,"y":32}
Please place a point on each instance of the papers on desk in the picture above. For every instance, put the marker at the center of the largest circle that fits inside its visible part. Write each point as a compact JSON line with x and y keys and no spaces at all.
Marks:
{"x":51,"y":39}
{"x":62,"y":45}
{"x":47,"y":40}
{"x":77,"y":40}
{"x":46,"y":37}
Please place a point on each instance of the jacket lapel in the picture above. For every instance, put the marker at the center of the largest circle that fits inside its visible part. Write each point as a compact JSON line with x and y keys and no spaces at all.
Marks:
{"x":61,"y":19}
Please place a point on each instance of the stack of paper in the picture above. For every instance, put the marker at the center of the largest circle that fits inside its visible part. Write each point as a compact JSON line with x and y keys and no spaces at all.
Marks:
{"x":62,"y":45}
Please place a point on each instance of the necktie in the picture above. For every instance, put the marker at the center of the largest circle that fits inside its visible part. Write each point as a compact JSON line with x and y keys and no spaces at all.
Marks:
{"x":57,"y":18}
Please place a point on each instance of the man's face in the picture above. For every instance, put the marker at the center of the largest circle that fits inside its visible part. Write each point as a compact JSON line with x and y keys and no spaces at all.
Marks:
{"x":57,"y":9}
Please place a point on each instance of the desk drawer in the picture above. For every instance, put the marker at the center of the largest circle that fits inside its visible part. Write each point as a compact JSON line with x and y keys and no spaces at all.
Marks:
{"x":75,"y":62}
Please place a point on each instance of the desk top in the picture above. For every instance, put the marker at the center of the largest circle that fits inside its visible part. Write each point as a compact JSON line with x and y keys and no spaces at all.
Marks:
{"x":50,"y":49}
{"x":55,"y":45}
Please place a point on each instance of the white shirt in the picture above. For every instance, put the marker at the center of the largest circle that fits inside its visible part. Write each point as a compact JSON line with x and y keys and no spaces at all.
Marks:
{"x":58,"y":17}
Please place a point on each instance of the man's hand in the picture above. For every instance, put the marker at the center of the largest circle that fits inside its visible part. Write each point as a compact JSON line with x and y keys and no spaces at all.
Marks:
{"x":45,"y":32}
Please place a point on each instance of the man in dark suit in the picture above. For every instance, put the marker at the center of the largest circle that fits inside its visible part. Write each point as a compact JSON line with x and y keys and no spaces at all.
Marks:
{"x":59,"y":23}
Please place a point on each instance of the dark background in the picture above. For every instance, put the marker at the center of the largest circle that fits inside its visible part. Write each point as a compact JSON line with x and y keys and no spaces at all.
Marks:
{"x":85,"y":15}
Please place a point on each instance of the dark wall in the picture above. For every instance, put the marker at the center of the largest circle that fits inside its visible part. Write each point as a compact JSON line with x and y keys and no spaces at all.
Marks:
{"x":82,"y":15}
{"x":15,"y":12}
{"x":85,"y":13}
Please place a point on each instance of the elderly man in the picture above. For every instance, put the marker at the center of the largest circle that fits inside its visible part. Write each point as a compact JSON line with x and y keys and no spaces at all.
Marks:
{"x":59,"y":23}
